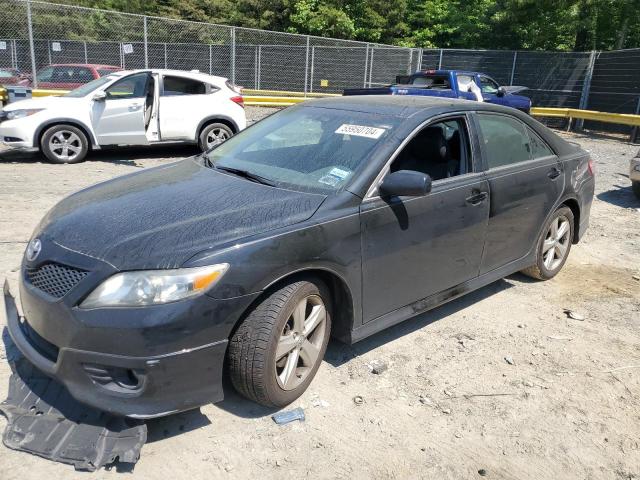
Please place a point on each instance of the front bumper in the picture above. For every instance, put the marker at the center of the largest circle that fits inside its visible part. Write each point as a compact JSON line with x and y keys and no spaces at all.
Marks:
{"x":138,"y":362}
{"x":16,"y":135}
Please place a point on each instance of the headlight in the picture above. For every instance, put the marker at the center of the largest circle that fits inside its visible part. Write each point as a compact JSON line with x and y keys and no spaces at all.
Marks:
{"x":15,"y":114}
{"x":151,"y":287}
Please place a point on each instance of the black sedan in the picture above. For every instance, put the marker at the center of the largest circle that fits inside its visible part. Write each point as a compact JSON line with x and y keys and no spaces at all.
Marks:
{"x":339,"y":216}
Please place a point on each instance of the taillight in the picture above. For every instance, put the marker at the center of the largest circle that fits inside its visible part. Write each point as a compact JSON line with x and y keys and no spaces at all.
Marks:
{"x":239,"y":100}
{"x":592,"y":169}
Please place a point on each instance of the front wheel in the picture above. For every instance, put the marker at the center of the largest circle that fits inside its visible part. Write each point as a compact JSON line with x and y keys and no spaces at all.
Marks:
{"x":553,"y":245}
{"x":64,"y":144}
{"x":277,"y":350}
{"x":213,"y":134}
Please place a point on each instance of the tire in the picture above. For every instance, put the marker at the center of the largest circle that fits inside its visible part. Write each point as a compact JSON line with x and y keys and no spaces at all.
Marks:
{"x":635,"y":186}
{"x":211,"y":133}
{"x":551,"y":254}
{"x":258,"y":369}
{"x":52,"y":146}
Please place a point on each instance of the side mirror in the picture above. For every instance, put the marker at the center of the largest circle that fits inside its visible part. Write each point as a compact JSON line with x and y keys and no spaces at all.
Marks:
{"x":501,"y":92}
{"x":99,"y":96}
{"x":407,"y":183}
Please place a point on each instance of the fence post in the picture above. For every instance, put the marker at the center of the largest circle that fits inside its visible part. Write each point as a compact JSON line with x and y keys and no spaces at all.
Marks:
{"x":210,"y":59}
{"x":255,"y":68}
{"x":233,"y":54}
{"x":306,"y":67}
{"x":420,"y":54}
{"x":410,"y":61}
{"x":584,"y":97}
{"x":513,"y":67}
{"x":634,"y":130}
{"x":260,"y":69}
{"x":440,"y":60}
{"x":373,"y":49}
{"x":313,"y":63}
{"x":49,"y":51}
{"x":366,"y":66}
{"x":86,"y":56}
{"x":32,"y":49}
{"x":165,"y":54}
{"x":146,"y":52}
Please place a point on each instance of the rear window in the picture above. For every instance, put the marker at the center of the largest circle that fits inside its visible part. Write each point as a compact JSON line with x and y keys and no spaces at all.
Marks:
{"x":432,"y":81}
{"x":105,"y":71}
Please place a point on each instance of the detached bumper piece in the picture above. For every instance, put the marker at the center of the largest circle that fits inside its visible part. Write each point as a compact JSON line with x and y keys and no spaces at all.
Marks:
{"x":45,"y":420}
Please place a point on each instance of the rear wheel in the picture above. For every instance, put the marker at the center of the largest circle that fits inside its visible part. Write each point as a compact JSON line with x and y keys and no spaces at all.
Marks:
{"x":553,"y":245}
{"x":213,"y":134}
{"x":64,"y":144}
{"x":278,"y":348}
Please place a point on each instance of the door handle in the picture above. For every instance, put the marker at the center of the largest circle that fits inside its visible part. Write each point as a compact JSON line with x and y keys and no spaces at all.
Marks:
{"x":554,"y":173}
{"x":477,"y":198}
{"x":134,"y":107}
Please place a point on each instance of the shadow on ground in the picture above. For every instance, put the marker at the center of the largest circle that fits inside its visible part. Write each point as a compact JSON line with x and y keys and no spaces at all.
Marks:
{"x":620,"y":196}
{"x":118,"y":156}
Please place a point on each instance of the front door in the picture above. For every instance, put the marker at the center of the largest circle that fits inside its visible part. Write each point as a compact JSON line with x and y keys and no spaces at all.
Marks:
{"x":489,"y":89}
{"x":525,"y":180}
{"x":414,"y":247}
{"x":119,"y":119}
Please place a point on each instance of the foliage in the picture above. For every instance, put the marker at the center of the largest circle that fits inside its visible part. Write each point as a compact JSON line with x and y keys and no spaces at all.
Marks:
{"x":507,"y":24}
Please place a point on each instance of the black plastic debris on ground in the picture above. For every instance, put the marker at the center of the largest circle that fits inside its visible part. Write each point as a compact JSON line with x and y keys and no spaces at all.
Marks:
{"x":43,"y":419}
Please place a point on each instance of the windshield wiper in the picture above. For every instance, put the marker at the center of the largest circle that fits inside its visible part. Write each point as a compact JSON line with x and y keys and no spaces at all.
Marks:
{"x":245,"y":174}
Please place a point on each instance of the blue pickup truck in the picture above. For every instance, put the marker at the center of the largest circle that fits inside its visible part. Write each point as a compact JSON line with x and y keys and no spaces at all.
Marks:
{"x":452,"y":84}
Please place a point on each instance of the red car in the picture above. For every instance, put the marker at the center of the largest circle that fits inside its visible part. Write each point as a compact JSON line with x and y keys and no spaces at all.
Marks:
{"x":11,"y":76}
{"x":68,"y":76}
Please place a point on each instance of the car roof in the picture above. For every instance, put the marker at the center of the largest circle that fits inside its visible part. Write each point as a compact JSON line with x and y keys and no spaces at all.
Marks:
{"x":90,"y":65}
{"x":205,"y":77}
{"x":403,"y":106}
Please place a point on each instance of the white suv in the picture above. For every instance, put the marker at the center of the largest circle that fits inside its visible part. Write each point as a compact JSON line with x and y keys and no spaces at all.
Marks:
{"x":140,"y":107}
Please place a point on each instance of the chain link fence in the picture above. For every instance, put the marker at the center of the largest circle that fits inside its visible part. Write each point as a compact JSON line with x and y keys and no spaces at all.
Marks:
{"x":36,"y":34}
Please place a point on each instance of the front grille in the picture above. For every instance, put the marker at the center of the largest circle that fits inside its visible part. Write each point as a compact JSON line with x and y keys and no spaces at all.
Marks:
{"x":55,"y":279}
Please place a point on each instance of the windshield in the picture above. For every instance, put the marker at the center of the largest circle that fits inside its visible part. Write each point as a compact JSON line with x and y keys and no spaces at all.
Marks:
{"x":308,"y":149}
{"x":87,"y":88}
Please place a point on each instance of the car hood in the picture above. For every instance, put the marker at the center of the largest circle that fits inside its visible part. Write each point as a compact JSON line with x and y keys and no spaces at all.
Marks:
{"x":43,"y":102}
{"x":161,"y":217}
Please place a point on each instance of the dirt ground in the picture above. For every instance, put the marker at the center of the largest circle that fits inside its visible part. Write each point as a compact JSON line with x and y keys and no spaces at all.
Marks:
{"x":449,"y":404}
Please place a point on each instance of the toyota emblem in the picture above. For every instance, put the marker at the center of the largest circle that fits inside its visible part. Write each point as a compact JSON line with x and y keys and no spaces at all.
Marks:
{"x":33,"y":249}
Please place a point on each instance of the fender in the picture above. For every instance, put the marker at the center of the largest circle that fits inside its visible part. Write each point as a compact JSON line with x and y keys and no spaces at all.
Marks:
{"x":234,"y":125}
{"x":71,"y":121}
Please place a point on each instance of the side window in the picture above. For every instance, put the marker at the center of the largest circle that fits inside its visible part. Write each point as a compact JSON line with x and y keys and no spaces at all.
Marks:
{"x":82,"y":75}
{"x":440,"y":150}
{"x":45,"y":74}
{"x":464,"y":82}
{"x":133,"y":86}
{"x":505,"y":140}
{"x":539,"y":149}
{"x":488,"y":86}
{"x":183,"y":86}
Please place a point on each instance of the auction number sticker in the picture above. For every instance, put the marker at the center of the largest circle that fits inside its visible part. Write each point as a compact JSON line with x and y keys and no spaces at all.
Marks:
{"x":360,"y":131}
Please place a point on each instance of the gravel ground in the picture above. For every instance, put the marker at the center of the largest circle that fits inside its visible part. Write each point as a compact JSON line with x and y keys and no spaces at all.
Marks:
{"x":565,"y":405}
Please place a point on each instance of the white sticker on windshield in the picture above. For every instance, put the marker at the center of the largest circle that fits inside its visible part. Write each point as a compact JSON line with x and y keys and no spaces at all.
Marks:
{"x":360,"y":131}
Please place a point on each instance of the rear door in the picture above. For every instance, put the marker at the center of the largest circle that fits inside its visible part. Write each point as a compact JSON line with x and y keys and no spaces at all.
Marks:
{"x":119,"y":119}
{"x":184,"y":102}
{"x":525,"y":179}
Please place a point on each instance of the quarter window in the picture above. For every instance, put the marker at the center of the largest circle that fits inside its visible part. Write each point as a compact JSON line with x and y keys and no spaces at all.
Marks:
{"x":539,"y":149}
{"x":133,"y":86}
{"x":183,"y":86}
{"x":505,"y":140}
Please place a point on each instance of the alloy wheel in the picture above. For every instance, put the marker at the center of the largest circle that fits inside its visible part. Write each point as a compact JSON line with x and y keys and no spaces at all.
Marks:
{"x":215,"y":136}
{"x":65,"y":145}
{"x":299,"y":346}
{"x":556,"y":242}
